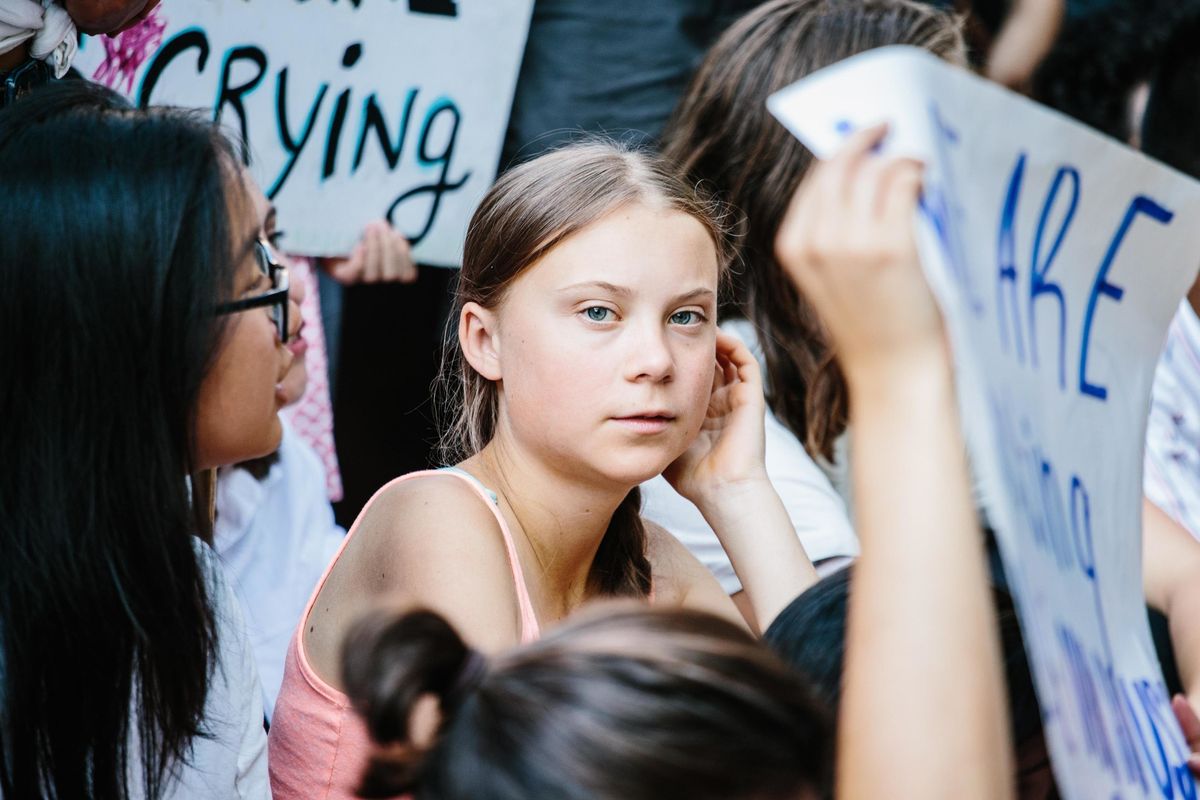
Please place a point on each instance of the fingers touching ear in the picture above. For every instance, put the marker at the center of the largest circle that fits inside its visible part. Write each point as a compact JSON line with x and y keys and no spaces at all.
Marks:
{"x":477,"y":335}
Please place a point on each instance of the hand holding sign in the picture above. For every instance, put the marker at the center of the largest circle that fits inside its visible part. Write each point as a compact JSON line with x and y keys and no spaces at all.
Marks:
{"x":847,"y":242}
{"x":1036,"y":235}
{"x":382,"y":255}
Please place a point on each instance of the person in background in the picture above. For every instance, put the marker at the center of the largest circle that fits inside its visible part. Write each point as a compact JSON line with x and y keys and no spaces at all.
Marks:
{"x":38,"y":39}
{"x":142,"y":333}
{"x":1009,"y":38}
{"x":922,"y":604}
{"x":723,"y":137}
{"x":1169,"y":130}
{"x":274,"y":530}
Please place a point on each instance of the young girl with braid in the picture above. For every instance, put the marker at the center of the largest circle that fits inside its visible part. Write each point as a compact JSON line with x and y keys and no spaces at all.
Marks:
{"x":586,"y":361}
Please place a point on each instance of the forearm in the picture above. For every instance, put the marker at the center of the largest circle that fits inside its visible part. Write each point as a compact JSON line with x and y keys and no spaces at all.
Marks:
{"x":754,"y":528}
{"x":1024,"y":40}
{"x":923,"y":657}
{"x":1170,"y":564}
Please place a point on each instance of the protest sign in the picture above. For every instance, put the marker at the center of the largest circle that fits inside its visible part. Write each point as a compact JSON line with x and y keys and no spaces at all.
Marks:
{"x":353,"y":110}
{"x":1059,"y":257}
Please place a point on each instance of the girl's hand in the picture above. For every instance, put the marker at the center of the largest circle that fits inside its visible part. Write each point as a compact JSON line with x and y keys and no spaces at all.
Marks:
{"x":729,"y":448}
{"x":847,"y":243}
{"x":1189,"y":723}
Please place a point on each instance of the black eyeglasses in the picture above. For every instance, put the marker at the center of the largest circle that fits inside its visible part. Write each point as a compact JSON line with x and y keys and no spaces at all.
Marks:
{"x":276,"y":298}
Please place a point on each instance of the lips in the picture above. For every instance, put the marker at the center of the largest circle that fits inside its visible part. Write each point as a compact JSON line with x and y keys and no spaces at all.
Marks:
{"x":647,"y":423}
{"x":298,"y":346}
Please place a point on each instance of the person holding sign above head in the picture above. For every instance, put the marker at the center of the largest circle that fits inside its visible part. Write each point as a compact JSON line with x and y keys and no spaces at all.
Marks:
{"x":587,"y":360}
{"x":921,"y":617}
{"x":143,"y":331}
{"x":722,"y":136}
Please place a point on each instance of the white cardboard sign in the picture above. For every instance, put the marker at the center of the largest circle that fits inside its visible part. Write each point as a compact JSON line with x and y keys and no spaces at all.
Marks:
{"x":1059,"y":257}
{"x":353,"y":109}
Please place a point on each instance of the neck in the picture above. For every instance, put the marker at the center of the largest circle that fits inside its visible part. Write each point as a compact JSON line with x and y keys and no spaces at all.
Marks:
{"x":561,"y":517}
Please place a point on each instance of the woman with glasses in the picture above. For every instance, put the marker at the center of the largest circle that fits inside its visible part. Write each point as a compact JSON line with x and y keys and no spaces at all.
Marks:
{"x":143,"y":331}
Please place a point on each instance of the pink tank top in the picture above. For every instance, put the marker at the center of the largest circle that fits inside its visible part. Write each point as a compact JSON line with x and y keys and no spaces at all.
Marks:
{"x":318,"y":746}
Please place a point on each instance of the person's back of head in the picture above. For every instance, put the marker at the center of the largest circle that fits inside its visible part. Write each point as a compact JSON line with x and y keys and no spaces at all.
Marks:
{"x":114,"y":252}
{"x":810,"y":636}
{"x":722,"y":136}
{"x":629,"y":704}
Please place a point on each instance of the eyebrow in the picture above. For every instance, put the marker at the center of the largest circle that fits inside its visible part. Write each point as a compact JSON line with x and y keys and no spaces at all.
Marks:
{"x":622,"y":291}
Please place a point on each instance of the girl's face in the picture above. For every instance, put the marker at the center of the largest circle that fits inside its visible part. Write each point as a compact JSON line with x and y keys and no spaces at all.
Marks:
{"x":237,"y":412}
{"x":605,"y":348}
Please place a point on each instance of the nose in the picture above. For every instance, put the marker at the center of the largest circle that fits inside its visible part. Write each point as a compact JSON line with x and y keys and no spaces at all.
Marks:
{"x":650,"y":357}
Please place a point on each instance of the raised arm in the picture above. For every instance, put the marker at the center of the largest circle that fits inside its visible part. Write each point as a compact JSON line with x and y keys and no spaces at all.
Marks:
{"x":923,"y":713}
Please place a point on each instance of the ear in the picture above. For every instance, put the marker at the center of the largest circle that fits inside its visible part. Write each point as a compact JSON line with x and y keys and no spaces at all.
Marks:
{"x":478,"y":337}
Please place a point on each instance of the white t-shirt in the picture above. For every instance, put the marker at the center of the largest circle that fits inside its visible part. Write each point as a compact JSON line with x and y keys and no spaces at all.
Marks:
{"x":817,"y":511}
{"x":275,"y":537}
{"x":231,"y":761}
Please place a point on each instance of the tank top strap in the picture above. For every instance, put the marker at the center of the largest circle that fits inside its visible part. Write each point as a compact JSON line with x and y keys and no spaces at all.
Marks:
{"x":529,"y":624}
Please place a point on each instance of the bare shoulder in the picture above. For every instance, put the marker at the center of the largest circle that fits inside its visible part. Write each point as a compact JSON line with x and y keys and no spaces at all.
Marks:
{"x":670,"y":562}
{"x":428,"y":542}
{"x":681,"y":580}
{"x":424,"y":521}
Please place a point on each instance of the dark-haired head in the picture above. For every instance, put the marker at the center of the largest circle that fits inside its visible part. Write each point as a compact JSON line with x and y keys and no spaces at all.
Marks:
{"x":117,"y":245}
{"x":623,"y":703}
{"x":722,"y":136}
{"x":810,"y":635}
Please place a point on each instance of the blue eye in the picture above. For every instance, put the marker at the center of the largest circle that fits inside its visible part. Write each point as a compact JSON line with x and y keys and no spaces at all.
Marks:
{"x":687,"y":318}
{"x":597,"y":313}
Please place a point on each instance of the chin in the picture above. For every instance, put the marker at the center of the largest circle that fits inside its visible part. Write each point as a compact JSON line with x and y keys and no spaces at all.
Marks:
{"x":632,"y":471}
{"x":269,"y":443}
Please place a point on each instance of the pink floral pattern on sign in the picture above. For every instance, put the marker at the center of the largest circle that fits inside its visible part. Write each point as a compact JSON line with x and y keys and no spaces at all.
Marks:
{"x":125,"y":53}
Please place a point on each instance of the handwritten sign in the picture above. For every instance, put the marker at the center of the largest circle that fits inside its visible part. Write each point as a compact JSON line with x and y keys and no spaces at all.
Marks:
{"x":1059,"y":257}
{"x":352,"y":109}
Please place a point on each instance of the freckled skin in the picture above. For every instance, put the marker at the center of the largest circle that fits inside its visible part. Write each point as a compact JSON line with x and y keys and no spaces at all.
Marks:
{"x":565,"y":376}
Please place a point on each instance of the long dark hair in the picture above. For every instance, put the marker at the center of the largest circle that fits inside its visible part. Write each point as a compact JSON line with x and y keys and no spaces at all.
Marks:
{"x":722,"y":135}
{"x":115,"y":245}
{"x":619,"y":704}
{"x":531,"y":209}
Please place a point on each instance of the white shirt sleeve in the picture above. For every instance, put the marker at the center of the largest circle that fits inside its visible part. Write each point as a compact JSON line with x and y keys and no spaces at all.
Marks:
{"x":231,"y":760}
